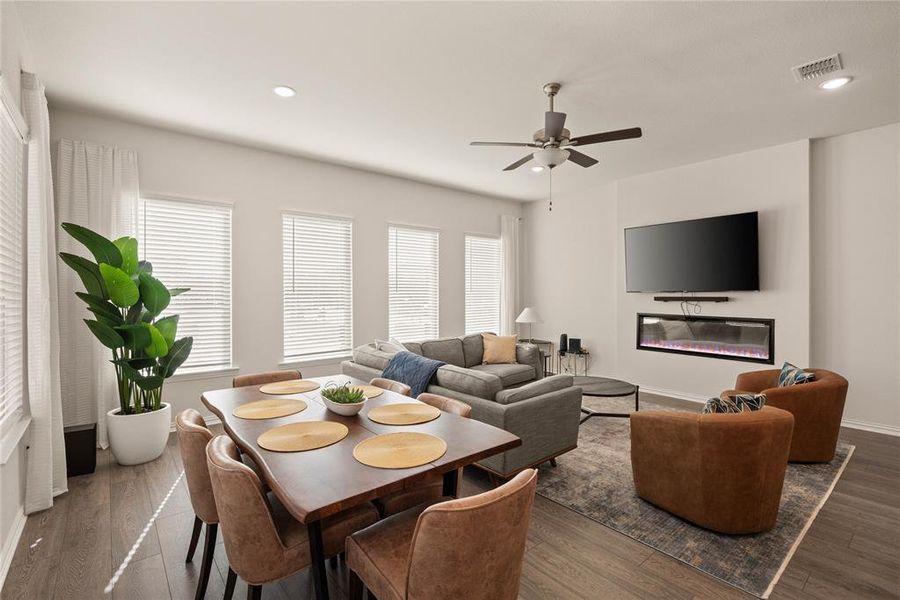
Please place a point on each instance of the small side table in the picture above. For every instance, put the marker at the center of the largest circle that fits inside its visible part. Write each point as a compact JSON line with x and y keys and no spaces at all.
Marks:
{"x":568,"y":361}
{"x":604,"y":387}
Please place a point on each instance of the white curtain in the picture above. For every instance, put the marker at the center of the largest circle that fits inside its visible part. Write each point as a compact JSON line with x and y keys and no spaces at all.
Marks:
{"x":97,"y":187}
{"x":510,"y":242}
{"x":46,"y":458}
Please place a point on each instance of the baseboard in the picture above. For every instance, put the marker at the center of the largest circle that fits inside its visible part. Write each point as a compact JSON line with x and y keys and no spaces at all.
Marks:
{"x":210,"y":420}
{"x":676,"y":395}
{"x":10,"y":544}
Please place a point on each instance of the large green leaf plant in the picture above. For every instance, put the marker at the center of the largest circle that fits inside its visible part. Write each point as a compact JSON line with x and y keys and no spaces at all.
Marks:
{"x":126,"y":302}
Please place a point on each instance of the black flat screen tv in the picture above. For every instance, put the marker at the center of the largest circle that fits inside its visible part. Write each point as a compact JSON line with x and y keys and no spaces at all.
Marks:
{"x":716,"y":254}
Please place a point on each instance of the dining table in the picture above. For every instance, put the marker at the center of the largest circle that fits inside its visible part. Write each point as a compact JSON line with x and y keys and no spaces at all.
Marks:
{"x":315,"y":484}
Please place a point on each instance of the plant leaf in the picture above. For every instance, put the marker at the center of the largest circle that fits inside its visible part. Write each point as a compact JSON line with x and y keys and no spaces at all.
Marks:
{"x":154,"y":294}
{"x":145,"y":382}
{"x":104,"y":251}
{"x":101,"y":307}
{"x":134,"y":313}
{"x":119,"y":285}
{"x":136,"y":336}
{"x":157,"y":346}
{"x":106,"y":334}
{"x":178,"y":353}
{"x":167,"y":327}
{"x":178,"y":291}
{"x":128,"y":248}
{"x":145,"y":267}
{"x":88,"y":272}
{"x":135,"y":363}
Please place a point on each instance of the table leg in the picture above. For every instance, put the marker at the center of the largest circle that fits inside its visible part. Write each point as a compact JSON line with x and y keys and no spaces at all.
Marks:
{"x":637,"y":391}
{"x":450,"y":481}
{"x":317,"y":559}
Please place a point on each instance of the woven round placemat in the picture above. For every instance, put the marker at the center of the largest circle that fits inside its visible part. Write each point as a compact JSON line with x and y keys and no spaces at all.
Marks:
{"x":294,"y":386}
{"x":404,"y":413}
{"x":269,"y":409}
{"x":400,"y":450}
{"x":299,"y":437}
{"x":371,"y":391}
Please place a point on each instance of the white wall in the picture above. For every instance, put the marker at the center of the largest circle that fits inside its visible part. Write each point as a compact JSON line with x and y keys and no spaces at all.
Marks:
{"x":855,"y":215}
{"x":262,"y":184}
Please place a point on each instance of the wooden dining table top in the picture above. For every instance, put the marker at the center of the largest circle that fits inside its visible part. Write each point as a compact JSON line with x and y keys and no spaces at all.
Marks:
{"x":317,"y":483}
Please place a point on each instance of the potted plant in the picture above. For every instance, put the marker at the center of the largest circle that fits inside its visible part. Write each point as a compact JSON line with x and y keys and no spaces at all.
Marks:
{"x":343,"y":399}
{"x":126,"y":302}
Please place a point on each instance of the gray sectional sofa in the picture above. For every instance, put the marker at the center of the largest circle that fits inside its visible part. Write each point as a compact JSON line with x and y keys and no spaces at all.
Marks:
{"x":543,"y":411}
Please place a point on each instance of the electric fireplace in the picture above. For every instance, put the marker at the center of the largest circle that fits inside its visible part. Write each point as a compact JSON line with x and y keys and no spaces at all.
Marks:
{"x":750,"y":340}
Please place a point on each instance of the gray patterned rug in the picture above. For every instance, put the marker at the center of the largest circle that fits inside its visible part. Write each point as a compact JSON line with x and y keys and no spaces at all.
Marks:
{"x":595,"y":481}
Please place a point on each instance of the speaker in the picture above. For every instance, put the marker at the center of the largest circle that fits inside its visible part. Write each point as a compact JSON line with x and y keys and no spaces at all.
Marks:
{"x":575,"y":345}
{"x":563,"y":343}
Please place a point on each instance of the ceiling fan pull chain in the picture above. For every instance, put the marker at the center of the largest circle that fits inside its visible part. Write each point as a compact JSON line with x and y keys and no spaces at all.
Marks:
{"x":551,"y":190}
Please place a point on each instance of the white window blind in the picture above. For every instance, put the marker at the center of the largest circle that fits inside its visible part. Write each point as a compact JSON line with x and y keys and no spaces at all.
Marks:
{"x":318,"y":286}
{"x":12,"y":272}
{"x":189,"y":245}
{"x":412,"y":283}
{"x":482,"y":284}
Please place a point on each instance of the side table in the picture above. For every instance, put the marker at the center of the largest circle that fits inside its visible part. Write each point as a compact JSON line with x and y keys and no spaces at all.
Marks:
{"x":604,"y":387}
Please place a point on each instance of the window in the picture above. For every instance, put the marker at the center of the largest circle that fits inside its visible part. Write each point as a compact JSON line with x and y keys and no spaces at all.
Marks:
{"x":12,"y":272}
{"x":412,"y":283}
{"x":318,"y":286}
{"x":189,"y":245}
{"x":482,"y":284}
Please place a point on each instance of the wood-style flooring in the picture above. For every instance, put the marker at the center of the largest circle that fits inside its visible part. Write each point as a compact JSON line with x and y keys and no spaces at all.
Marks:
{"x":69,"y":552}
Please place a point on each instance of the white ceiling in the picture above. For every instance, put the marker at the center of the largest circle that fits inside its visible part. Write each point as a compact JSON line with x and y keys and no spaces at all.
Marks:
{"x":403,"y":87}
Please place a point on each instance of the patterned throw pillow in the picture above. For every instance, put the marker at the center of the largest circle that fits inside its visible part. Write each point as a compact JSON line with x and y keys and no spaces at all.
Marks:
{"x":734,"y":404}
{"x":749,"y":401}
{"x":720,"y":405}
{"x":792,"y":375}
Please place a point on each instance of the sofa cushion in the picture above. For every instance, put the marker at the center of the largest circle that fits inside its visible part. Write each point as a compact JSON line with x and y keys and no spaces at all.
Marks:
{"x":448,"y":350}
{"x":368,"y":356}
{"x":499,"y":349}
{"x":414,"y":347}
{"x":473,"y":349}
{"x":509,"y":374}
{"x":534,"y":389}
{"x":469,"y":381}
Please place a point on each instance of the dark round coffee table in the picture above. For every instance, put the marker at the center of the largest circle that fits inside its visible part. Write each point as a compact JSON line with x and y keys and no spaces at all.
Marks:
{"x":604,"y":387}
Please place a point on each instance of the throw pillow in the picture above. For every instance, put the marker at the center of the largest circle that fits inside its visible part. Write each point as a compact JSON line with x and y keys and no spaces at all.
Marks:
{"x":745,"y":401}
{"x":391,"y":346}
{"x":792,"y":375}
{"x":720,"y":405}
{"x":499,"y":349}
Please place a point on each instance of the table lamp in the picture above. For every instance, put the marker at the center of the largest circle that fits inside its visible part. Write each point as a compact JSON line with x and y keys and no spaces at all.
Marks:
{"x":529,"y":315}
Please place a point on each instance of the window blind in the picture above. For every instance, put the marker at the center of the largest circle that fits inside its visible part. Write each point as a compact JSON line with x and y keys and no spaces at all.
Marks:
{"x":318,"y":286}
{"x":482,"y":284}
{"x":189,"y":245}
{"x":12,"y":272}
{"x":412,"y":283}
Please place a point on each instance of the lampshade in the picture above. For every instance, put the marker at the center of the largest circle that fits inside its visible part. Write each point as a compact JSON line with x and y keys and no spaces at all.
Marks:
{"x":529,"y":315}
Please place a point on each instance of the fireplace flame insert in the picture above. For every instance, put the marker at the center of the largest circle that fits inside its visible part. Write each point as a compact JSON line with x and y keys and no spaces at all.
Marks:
{"x":729,"y":338}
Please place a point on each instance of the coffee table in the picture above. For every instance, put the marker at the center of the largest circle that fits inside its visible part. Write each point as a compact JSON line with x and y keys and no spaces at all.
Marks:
{"x":604,"y":387}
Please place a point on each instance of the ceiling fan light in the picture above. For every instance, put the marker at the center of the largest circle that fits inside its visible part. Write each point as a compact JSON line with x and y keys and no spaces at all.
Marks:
{"x":537,"y":169}
{"x":551,"y":157}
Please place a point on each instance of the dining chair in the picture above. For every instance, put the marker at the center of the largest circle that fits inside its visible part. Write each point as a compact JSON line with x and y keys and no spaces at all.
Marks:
{"x":193,"y":436}
{"x":264,"y":378}
{"x":467,"y":548}
{"x":391,"y":385}
{"x":263,"y":542}
{"x":431,"y":489}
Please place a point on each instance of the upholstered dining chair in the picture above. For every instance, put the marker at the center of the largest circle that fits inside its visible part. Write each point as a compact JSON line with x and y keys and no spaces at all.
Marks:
{"x":431,"y":489}
{"x":193,"y":436}
{"x":263,"y":542}
{"x":266,"y":377}
{"x":468,"y":548}
{"x":391,"y":385}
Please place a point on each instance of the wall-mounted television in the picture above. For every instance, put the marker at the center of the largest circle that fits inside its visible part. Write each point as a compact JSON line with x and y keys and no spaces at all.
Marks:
{"x":715,"y":254}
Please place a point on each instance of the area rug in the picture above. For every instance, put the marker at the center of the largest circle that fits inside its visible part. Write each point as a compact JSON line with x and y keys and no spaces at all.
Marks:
{"x":595,"y":480}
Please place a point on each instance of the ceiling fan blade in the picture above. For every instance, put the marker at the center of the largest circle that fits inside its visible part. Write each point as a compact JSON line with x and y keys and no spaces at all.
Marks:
{"x":581,"y":159}
{"x":519,"y":163}
{"x":607,"y":136}
{"x":518,"y":144}
{"x":553,"y":124}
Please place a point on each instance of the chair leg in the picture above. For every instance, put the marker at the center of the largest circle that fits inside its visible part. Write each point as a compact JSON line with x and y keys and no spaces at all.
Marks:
{"x":229,"y":584}
{"x":195,"y":537}
{"x":254,"y":592}
{"x":552,"y":462}
{"x":209,"y":548}
{"x":356,"y":586}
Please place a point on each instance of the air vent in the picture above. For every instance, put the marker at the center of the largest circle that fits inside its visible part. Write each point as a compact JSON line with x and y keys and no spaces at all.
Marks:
{"x":817,"y":68}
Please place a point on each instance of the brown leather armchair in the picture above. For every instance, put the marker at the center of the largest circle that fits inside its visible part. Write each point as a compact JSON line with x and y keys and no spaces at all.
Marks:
{"x":817,"y":406}
{"x":721,"y":471}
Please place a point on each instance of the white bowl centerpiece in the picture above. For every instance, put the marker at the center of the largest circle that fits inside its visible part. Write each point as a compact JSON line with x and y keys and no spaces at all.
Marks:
{"x":346,"y":399}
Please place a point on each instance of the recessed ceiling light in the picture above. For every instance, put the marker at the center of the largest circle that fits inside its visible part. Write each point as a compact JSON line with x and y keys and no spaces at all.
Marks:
{"x":537,"y":169}
{"x":837,"y":82}
{"x":284,"y":91}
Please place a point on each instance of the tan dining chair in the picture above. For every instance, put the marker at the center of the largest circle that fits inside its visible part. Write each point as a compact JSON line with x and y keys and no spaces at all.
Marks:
{"x":431,"y":489}
{"x":263,"y":542}
{"x":193,"y":436}
{"x":391,"y":385}
{"x":468,"y":548}
{"x":264,"y":378}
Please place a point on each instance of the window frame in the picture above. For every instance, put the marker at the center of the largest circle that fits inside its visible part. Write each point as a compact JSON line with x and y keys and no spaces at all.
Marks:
{"x":437,"y":300}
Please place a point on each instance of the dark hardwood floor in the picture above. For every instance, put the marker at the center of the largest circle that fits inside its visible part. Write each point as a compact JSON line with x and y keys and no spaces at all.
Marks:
{"x":69,"y":552}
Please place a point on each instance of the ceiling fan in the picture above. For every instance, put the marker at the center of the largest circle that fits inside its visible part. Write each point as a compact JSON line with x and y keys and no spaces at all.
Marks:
{"x":554,"y":142}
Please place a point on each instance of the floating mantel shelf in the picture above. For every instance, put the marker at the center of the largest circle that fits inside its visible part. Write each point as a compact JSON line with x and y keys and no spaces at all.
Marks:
{"x":691,"y":298}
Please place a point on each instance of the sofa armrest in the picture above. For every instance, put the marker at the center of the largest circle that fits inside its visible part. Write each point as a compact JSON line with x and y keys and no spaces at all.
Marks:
{"x":368,"y":356}
{"x":665,"y":460}
{"x":530,"y":354}
{"x":535,"y":388}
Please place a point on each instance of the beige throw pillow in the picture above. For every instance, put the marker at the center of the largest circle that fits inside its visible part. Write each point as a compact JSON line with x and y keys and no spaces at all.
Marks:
{"x":499,"y":349}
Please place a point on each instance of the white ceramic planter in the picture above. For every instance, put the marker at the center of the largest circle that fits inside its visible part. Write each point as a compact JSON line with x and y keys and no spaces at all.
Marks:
{"x":137,"y":439}
{"x":347,"y":410}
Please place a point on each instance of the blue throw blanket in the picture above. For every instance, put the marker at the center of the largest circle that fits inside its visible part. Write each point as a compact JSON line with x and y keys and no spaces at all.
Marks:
{"x":413,"y":370}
